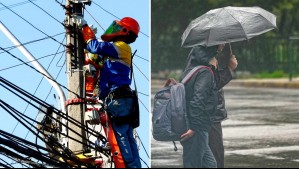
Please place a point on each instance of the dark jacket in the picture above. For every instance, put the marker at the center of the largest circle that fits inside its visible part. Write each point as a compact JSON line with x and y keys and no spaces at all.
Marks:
{"x":223,"y":76}
{"x":201,"y":90}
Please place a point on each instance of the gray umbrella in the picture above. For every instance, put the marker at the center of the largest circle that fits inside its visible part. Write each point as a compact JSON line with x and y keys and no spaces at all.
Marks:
{"x":226,"y":25}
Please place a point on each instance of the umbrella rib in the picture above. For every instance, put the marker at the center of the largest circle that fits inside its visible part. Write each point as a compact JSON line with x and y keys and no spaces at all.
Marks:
{"x":207,"y":44}
{"x":208,"y":37}
{"x":267,"y":20}
{"x":239,"y":23}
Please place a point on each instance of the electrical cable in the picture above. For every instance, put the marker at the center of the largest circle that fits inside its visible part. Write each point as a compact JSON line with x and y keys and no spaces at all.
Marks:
{"x":43,"y":77}
{"x":114,"y":15}
{"x":30,"y":61}
{"x":60,"y":3}
{"x":22,"y":120}
{"x":143,"y":94}
{"x":47,"y":13}
{"x":133,"y":76}
{"x":141,"y":71}
{"x":23,"y":150}
{"x":142,"y":145}
{"x":11,"y":155}
{"x":40,"y":72}
{"x":94,"y":18}
{"x":8,"y":165}
{"x":3,"y":165}
{"x":15,"y":5}
{"x":143,"y":105}
{"x":69,"y":118}
{"x":29,"y":152}
{"x":46,"y":97}
{"x":32,"y":24}
{"x":30,"y":42}
{"x":18,"y":140}
{"x":144,"y":162}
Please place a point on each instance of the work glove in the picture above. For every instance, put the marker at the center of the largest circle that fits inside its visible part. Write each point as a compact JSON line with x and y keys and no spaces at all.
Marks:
{"x":79,"y":21}
{"x":94,"y":29}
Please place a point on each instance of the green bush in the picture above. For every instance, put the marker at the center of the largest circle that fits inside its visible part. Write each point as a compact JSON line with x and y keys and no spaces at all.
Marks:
{"x":174,"y":75}
{"x":275,"y":74}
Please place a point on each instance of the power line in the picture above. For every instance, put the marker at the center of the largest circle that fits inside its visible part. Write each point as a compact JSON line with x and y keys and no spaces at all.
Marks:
{"x":141,"y":71}
{"x":6,"y":163}
{"x":143,"y":105}
{"x":115,"y":16}
{"x":60,"y":3}
{"x":15,"y":5}
{"x":143,"y":94}
{"x":30,"y":61}
{"x":142,"y":58}
{"x":144,"y":162}
{"x":39,"y":86}
{"x":142,"y":145}
{"x":22,"y":118}
{"x":50,"y":89}
{"x":30,"y":42}
{"x":46,"y":12}
{"x":59,"y":61}
{"x":40,"y":72}
{"x":94,"y":19}
{"x":32,"y":24}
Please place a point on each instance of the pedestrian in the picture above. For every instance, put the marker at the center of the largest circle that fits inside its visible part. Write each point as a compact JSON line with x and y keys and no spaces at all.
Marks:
{"x":115,"y":80}
{"x":227,"y":63}
{"x":201,"y":103}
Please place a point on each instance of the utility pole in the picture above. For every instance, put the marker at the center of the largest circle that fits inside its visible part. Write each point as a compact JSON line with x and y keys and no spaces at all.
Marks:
{"x":74,"y":58}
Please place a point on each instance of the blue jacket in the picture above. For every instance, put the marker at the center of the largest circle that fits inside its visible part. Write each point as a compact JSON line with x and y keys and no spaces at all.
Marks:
{"x":117,"y":64}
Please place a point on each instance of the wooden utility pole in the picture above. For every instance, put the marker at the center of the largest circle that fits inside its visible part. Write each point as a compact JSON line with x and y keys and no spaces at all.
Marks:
{"x":74,"y":60}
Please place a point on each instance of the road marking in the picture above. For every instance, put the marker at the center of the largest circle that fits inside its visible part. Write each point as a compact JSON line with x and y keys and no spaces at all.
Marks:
{"x":265,"y":152}
{"x":270,"y":150}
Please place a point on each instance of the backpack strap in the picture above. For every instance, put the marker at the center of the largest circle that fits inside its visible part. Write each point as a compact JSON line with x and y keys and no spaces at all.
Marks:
{"x":193,"y":72}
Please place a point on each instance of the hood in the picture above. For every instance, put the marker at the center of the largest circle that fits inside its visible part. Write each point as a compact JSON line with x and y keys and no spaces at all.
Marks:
{"x":200,"y":55}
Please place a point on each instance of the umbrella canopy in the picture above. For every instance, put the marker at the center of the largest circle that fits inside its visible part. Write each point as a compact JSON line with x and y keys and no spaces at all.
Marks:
{"x":228,"y":24}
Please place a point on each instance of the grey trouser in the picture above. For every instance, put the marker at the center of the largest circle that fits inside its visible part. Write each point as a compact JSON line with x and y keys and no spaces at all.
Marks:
{"x":197,"y":153}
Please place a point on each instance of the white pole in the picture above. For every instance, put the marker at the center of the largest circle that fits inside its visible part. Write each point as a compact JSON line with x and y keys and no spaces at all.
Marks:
{"x":39,"y":67}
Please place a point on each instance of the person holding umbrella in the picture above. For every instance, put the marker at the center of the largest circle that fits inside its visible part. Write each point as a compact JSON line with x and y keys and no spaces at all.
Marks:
{"x":227,"y":63}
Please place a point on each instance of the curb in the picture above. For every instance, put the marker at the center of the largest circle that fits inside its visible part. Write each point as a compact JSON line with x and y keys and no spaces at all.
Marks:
{"x":270,"y":83}
{"x":276,"y":83}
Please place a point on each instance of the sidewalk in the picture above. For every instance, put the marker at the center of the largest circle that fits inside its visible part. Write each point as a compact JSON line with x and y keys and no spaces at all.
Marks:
{"x":271,"y":83}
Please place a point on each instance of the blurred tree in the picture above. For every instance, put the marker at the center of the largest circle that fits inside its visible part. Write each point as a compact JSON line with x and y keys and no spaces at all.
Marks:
{"x":171,"y":17}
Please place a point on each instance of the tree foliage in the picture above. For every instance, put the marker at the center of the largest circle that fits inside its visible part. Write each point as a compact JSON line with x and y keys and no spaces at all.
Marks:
{"x":171,"y":17}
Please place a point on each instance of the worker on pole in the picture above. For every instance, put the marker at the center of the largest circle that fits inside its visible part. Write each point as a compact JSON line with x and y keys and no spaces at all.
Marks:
{"x":115,"y":80}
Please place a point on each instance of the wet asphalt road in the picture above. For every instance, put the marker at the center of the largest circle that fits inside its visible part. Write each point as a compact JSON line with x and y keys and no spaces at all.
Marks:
{"x":262,"y":130}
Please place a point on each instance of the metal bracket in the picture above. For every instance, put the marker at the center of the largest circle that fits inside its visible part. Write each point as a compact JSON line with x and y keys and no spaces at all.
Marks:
{"x":89,"y":69}
{"x":87,"y":2}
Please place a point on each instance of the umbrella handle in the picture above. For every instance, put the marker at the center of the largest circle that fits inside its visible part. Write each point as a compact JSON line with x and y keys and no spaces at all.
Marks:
{"x":230,"y":47}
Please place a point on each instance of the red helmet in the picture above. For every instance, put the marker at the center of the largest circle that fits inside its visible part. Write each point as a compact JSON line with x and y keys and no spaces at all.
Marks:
{"x":122,"y":27}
